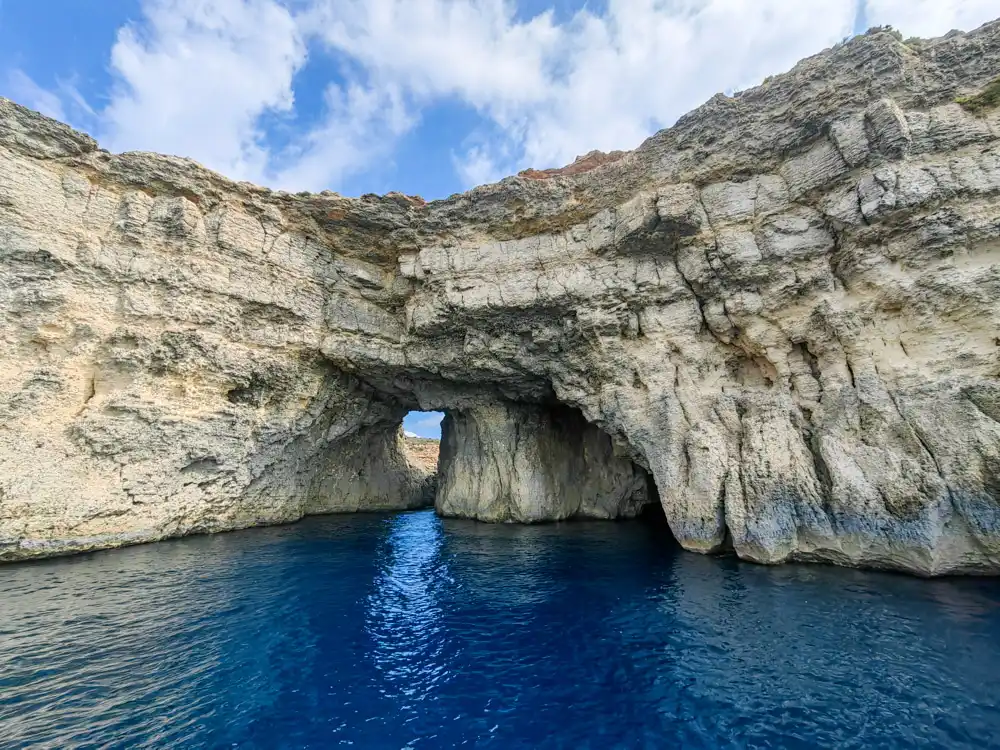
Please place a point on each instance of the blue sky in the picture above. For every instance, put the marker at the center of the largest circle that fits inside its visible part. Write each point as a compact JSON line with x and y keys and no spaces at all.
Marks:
{"x":424,"y":423}
{"x":428,"y":97}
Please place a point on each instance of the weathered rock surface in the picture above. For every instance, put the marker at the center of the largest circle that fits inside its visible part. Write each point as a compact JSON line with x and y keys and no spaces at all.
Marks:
{"x":520,"y":463}
{"x":785,"y":308}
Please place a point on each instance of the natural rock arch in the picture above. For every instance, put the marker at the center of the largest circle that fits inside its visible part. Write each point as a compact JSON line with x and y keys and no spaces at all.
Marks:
{"x":784,"y":308}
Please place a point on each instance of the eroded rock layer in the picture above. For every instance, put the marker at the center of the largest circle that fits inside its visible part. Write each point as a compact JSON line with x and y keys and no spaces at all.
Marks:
{"x":785,"y":308}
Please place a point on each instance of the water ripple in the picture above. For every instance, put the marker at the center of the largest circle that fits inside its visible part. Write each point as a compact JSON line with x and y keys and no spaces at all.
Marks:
{"x":408,"y":631}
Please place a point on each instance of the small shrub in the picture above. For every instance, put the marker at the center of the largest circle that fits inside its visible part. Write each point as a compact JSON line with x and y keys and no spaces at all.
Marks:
{"x":895,"y":33}
{"x":987,"y":99}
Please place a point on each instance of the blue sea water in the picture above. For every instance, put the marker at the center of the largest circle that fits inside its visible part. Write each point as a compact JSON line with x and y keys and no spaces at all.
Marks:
{"x":403,"y":630}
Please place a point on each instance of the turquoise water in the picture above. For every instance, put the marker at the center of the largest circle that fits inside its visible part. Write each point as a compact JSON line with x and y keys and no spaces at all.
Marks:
{"x":404,"y":630}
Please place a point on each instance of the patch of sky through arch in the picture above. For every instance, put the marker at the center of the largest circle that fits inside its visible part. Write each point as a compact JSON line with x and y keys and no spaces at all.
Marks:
{"x":425,"y":424}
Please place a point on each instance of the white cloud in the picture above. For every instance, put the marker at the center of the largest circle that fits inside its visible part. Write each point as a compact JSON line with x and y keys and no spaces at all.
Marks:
{"x":929,"y":18}
{"x":554,"y":91}
{"x":195,"y":77}
{"x":424,"y":424}
{"x":22,"y":89}
{"x":206,"y":78}
{"x":472,"y":49}
{"x":78,"y":104}
{"x":361,"y":125}
{"x":646,"y":63}
{"x":482,"y":160}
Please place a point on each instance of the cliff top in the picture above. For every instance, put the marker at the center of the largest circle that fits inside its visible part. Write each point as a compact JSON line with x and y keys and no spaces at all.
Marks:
{"x":728,"y":137}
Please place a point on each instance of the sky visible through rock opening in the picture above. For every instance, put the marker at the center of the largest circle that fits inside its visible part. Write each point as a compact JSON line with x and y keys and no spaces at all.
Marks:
{"x":423,"y":424}
{"x":428,"y":97}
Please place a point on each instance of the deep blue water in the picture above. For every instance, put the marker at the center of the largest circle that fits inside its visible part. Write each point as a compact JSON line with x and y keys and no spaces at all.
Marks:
{"x":407,"y":631}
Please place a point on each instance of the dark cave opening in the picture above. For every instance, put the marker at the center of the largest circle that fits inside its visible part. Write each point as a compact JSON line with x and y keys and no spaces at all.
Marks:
{"x":522,"y":460}
{"x":652,"y":512}
{"x":515,"y":462}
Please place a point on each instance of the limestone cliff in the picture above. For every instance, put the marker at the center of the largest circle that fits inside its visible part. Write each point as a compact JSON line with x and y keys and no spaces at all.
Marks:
{"x":785,"y":308}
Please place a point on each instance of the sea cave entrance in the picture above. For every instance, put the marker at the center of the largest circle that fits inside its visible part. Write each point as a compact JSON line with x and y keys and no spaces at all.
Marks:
{"x":504,"y":461}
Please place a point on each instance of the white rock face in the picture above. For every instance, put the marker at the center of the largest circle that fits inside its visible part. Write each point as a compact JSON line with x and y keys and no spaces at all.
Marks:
{"x":786,"y":309}
{"x":161,"y":369}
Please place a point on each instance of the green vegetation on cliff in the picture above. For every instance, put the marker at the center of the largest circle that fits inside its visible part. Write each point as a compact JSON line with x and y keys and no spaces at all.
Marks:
{"x":987,"y":99}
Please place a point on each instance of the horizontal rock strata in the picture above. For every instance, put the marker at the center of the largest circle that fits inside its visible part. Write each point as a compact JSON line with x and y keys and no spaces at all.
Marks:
{"x":785,"y":308}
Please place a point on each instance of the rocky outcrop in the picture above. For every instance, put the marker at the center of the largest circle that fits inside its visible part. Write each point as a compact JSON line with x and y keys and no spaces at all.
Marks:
{"x":785,"y":308}
{"x":423,"y":452}
{"x":526,"y":464}
{"x":161,"y":368}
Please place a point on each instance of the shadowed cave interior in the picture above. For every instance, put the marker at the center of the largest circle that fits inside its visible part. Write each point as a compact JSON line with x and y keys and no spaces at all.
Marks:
{"x":505,"y":461}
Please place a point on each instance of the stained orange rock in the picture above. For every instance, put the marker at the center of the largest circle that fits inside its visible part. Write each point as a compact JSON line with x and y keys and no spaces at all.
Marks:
{"x":581,"y":164}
